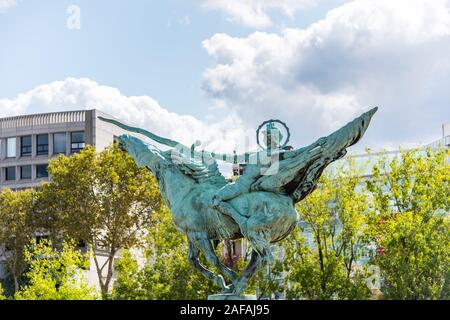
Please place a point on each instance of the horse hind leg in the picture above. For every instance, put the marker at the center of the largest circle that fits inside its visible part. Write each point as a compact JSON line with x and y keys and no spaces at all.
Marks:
{"x":207,"y":248}
{"x":261,"y":246}
{"x":193,"y":259}
{"x":252,"y":267}
{"x":261,"y":255}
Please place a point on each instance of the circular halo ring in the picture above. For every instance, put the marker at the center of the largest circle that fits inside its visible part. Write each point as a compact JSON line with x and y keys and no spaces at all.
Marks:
{"x":269,"y":121}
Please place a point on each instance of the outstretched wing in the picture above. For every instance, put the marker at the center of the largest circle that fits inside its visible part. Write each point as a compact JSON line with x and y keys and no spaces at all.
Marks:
{"x":296,"y":174}
{"x":298,"y":171}
{"x":201,"y":170}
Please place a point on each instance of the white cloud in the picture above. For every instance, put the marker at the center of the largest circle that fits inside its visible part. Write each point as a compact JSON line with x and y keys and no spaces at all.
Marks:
{"x":7,"y":4}
{"x":143,"y":111}
{"x":255,"y":13}
{"x":388,"y":53}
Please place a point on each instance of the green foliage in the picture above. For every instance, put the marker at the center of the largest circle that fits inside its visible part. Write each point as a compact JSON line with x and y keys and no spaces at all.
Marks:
{"x":269,"y":282}
{"x":17,"y":229}
{"x":410,"y":224}
{"x":55,"y":274}
{"x":2,"y":295}
{"x":312,"y":276}
{"x":167,"y":274}
{"x":103,"y":199}
{"x":402,"y":210}
{"x":128,"y":273}
{"x":417,"y":182}
{"x":415,"y":258}
{"x":334,"y":218}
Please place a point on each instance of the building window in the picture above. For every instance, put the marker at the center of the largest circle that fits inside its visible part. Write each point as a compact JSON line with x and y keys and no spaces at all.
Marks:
{"x":10,"y":173}
{"x":25,"y":172}
{"x":11,"y":147}
{"x":41,"y":171}
{"x":42,"y":144}
{"x":77,"y":141}
{"x":25,"y":146}
{"x":59,"y":142}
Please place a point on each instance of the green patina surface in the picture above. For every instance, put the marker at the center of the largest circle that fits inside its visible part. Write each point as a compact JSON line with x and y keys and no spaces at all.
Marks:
{"x":259,"y":206}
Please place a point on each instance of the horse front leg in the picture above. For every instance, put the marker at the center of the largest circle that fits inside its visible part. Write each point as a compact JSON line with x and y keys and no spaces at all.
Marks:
{"x":193,"y":255}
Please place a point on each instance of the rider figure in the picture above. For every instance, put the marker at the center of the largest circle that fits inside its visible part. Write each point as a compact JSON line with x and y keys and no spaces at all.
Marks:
{"x":254,"y":169}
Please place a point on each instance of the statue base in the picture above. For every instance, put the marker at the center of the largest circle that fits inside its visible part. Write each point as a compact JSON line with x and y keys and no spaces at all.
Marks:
{"x":230,"y":296}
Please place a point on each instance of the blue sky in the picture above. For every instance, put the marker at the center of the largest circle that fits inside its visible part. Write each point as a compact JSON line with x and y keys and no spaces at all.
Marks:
{"x":142,"y":47}
{"x":316,"y":68}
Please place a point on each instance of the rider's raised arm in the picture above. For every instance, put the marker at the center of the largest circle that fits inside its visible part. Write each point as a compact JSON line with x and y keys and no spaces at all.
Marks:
{"x":148,"y":134}
{"x":244,"y":158}
{"x":230,"y":158}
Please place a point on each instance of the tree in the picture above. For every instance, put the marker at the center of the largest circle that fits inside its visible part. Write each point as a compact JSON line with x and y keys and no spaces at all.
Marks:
{"x":16,"y":229}
{"x":410,"y":224}
{"x":167,"y":274}
{"x":55,"y":274}
{"x":128,"y":278}
{"x":103,"y":199}
{"x":333,"y":218}
{"x":2,"y":295}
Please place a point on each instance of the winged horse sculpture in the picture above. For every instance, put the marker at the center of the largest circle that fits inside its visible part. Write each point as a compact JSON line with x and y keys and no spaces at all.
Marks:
{"x":259,"y":206}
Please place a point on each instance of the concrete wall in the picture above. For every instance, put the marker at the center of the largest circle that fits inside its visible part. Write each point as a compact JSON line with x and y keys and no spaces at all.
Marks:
{"x":104,"y":132}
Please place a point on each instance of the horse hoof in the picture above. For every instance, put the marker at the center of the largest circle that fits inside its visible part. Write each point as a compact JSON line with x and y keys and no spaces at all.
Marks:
{"x":237,"y":292}
{"x":220,"y":281}
{"x":227,"y":290}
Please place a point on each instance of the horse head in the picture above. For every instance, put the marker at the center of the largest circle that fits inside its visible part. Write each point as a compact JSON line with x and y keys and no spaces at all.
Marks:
{"x":172,"y":182}
{"x":143,"y":153}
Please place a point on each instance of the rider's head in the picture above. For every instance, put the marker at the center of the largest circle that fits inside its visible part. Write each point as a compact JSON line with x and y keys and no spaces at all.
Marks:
{"x":272,"y":136}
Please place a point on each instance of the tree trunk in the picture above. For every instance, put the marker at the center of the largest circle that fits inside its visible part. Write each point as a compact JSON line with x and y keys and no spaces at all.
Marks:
{"x":103,"y":289}
{"x":14,"y":273}
{"x":321,"y":261}
{"x":109,"y":275}
{"x":16,"y":284}
{"x":229,"y":254}
{"x":104,"y":284}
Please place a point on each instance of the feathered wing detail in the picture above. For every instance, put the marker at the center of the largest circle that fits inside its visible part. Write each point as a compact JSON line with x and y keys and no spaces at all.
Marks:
{"x":203,"y":170}
{"x":297,"y":172}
